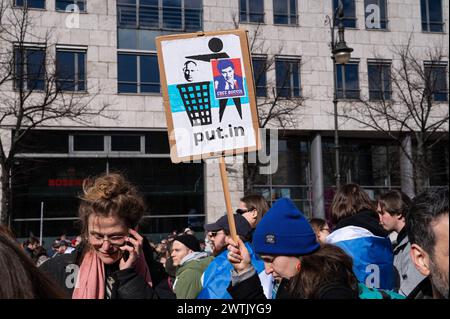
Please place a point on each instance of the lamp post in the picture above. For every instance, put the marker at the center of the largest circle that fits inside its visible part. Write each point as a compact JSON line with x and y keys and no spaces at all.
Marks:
{"x":340,"y":55}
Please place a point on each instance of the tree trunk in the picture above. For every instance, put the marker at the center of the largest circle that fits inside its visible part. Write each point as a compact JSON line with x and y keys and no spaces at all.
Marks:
{"x":5,"y":212}
{"x":421,"y":168}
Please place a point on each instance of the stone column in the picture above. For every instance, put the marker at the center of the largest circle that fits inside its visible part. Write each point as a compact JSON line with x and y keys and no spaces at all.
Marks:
{"x":317,"y":177}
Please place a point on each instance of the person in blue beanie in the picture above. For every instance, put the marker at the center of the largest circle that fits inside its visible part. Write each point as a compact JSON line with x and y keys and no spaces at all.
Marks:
{"x":288,"y":246}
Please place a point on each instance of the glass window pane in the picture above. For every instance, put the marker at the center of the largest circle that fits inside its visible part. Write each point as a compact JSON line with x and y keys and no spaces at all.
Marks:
{"x":349,"y":19}
{"x":296,"y":78}
{"x":65,"y":64}
{"x":172,"y":14}
{"x":352,"y":79}
{"x":39,"y":141}
{"x":127,"y":38}
{"x":157,"y":143}
{"x":127,"y":88}
{"x":256,"y":11}
{"x":149,"y":15}
{"x":243,"y":10}
{"x":125,"y":143}
{"x":126,"y":15}
{"x":259,"y":69}
{"x":435,"y":10}
{"x":63,"y":5}
{"x":39,"y":4}
{"x":35,"y":69}
{"x":149,"y":74}
{"x":381,"y":4}
{"x":282,"y":74}
{"x":280,"y":12}
{"x":88,"y":143}
{"x":127,"y":64}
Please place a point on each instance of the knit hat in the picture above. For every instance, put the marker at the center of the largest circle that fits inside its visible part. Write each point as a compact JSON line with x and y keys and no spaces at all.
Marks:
{"x":284,"y":231}
{"x":189,"y":241}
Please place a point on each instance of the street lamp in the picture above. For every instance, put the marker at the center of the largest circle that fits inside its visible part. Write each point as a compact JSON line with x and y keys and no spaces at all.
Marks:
{"x":340,"y":55}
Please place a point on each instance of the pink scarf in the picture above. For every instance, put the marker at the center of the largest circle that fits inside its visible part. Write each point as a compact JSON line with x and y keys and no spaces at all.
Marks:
{"x":91,"y":276}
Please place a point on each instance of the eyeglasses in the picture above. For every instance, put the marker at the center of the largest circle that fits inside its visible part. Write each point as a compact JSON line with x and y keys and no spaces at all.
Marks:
{"x":214,"y":233}
{"x":117,"y":240}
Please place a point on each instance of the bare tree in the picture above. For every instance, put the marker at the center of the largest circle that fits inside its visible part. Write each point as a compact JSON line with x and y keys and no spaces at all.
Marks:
{"x":32,"y":90}
{"x":280,"y":104}
{"x":410,"y":107}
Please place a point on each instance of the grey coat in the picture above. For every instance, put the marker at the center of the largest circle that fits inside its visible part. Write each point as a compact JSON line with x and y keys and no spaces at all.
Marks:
{"x":407,"y":276}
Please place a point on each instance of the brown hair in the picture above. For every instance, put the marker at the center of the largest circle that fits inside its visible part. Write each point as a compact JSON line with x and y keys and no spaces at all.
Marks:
{"x":20,"y":278}
{"x":328,"y":266}
{"x":395,"y":203}
{"x":258,"y":202}
{"x":348,"y":201}
{"x":317,"y":224}
{"x":110,"y":195}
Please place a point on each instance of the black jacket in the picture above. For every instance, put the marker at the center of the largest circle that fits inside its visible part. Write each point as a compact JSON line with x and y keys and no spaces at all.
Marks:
{"x":127,"y":283}
{"x":252,"y":289}
{"x":367,"y":219}
{"x":423,"y":290}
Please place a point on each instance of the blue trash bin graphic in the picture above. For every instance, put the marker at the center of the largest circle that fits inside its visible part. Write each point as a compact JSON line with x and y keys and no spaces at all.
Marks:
{"x":197,"y":102}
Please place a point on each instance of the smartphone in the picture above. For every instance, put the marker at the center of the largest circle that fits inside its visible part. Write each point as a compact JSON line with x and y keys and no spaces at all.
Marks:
{"x":126,"y":253}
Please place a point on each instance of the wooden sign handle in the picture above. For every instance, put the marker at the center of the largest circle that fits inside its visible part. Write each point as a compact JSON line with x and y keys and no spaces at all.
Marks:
{"x":226,"y":192}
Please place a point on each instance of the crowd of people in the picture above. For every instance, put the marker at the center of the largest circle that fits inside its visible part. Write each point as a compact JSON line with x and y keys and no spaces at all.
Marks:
{"x":278,"y":252}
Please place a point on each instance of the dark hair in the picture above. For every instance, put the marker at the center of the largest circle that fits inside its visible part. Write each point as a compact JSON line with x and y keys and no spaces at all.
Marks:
{"x":317,"y":224}
{"x":348,"y":201}
{"x":110,"y":195}
{"x":426,"y":208}
{"x":223,"y":64}
{"x":395,"y":203}
{"x":327,"y":267}
{"x":20,"y":278}
{"x":31,"y":241}
{"x":38,"y":252}
{"x":258,"y":202}
{"x":6,"y":231}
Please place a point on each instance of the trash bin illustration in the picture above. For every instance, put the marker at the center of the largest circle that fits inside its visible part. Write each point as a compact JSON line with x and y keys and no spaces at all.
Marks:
{"x":197,"y":102}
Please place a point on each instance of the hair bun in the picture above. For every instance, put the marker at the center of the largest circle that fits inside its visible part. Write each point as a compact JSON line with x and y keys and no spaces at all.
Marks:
{"x":106,"y":187}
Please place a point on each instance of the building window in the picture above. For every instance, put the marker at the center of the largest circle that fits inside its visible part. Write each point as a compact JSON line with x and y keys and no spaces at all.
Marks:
{"x":376,"y":14}
{"x":285,"y":12}
{"x":29,"y":68}
{"x":287,"y":72}
{"x":179,"y":15}
{"x":70,"y":5}
{"x":251,"y":11}
{"x":88,"y":143}
{"x":349,"y":19}
{"x":35,"y":4}
{"x":431,"y":15}
{"x":436,"y":80}
{"x":379,"y":80}
{"x":138,"y":73}
{"x":260,"y":76}
{"x":71,"y":70}
{"x":347,"y":80}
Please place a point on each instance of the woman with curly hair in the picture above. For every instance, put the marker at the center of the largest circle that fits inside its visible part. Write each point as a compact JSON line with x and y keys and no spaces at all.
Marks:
{"x":111,"y":265}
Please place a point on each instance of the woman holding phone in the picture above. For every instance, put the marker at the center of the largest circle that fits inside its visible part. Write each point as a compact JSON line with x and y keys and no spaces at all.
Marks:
{"x":111,"y":264}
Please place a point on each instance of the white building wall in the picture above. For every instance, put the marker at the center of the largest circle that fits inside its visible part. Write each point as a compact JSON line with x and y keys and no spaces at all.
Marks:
{"x":309,"y":40}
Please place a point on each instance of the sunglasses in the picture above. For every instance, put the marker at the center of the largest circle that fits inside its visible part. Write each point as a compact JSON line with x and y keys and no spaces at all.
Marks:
{"x":243,"y":211}
{"x":214,"y":233}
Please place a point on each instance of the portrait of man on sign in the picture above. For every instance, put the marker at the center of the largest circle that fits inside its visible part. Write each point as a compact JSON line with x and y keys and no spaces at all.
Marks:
{"x":228,"y":83}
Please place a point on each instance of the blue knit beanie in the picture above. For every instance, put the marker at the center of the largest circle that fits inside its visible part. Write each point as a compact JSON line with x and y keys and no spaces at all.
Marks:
{"x":284,"y":231}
